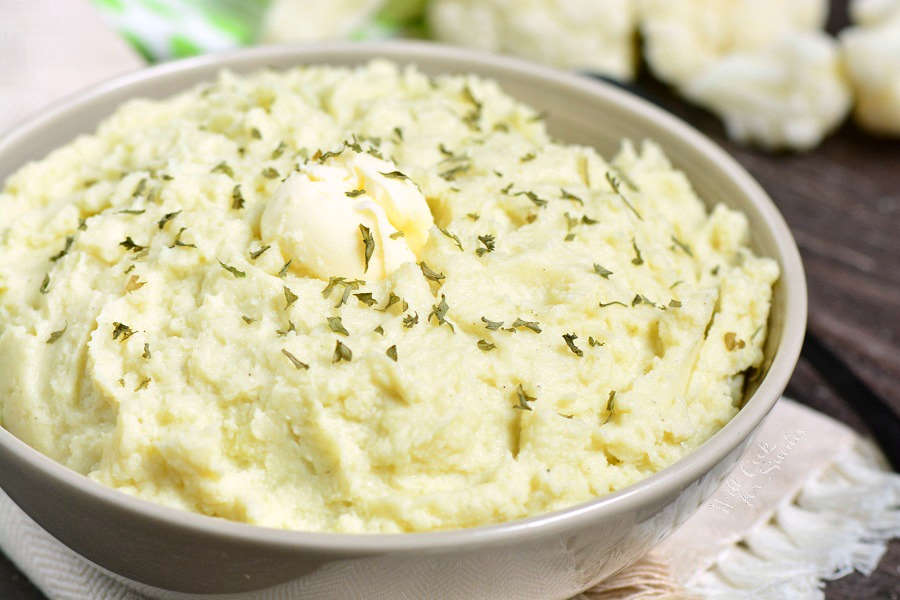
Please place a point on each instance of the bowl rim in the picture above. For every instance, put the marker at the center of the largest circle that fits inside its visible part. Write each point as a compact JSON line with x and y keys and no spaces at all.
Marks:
{"x":674,"y":477}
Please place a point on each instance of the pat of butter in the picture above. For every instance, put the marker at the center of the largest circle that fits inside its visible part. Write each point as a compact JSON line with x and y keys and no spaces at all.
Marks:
{"x":315,"y":217}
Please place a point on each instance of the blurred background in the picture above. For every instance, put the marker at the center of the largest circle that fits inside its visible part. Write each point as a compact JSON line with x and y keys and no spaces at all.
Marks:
{"x":804,"y":93}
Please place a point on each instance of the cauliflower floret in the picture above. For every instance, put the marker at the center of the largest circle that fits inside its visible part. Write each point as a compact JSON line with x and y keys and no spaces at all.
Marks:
{"x":684,"y":37}
{"x":872,"y":56}
{"x":290,"y":20}
{"x":874,"y":12}
{"x":786,"y":96}
{"x":595,"y":35}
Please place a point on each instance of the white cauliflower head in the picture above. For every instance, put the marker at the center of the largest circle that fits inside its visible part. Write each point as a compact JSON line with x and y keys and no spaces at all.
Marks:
{"x":871,"y":53}
{"x":596,"y":35}
{"x":295,"y":21}
{"x":874,"y":12}
{"x":788,"y":95}
{"x":684,"y":37}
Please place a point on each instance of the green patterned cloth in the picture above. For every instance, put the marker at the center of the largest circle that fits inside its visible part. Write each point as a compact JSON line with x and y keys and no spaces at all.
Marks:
{"x":165,"y":29}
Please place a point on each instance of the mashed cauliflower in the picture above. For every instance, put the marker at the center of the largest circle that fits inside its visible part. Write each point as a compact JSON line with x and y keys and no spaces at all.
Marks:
{"x":551,"y":327}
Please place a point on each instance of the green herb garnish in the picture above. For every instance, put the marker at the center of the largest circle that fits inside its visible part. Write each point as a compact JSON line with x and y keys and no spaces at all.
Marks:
{"x":392,"y":299}
{"x":638,"y":259}
{"x":298,"y":364}
{"x":392,"y":353}
{"x":528,"y":157}
{"x":485,"y":345}
{"x":601,"y":271}
{"x":394,"y":175}
{"x":237,"y":273}
{"x":237,"y":198}
{"x":246,"y":319}
{"x":523,"y":398}
{"x":143,"y":384}
{"x":570,"y":342}
{"x":369,"y":243}
{"x":341,"y":352}
{"x":430,"y":274}
{"x":365,"y":298}
{"x":592,"y":342}
{"x":270,"y":173}
{"x":732,"y":342}
{"x":55,"y":335}
{"x":399,"y":133}
{"x":439,"y":312}
{"x":532,"y":325}
{"x":285,"y":268}
{"x":45,"y":285}
{"x":121,"y":330}
{"x":69,"y":240}
{"x":450,"y":174}
{"x":279,"y":150}
{"x":568,"y":196}
{"x":290,"y":328}
{"x":319,"y":156}
{"x":616,"y":187}
{"x":167,"y":217}
{"x":675,"y":304}
{"x":355,"y":193}
{"x":146,"y":355}
{"x":335,"y":324}
{"x":588,"y":221}
{"x":452,"y":237}
{"x":410,"y":320}
{"x":610,"y":406}
{"x":492,"y":325}
{"x":259,"y":252}
{"x":538,"y":201}
{"x":224,"y":168}
{"x":605,"y":304}
{"x":134,"y":283}
{"x":132,"y":211}
{"x":379,"y":330}
{"x":473,"y":216}
{"x":488,"y":242}
{"x":683,"y":246}
{"x":289,"y":296}
{"x":178,"y":243}
{"x":139,"y":188}
{"x":129,"y":245}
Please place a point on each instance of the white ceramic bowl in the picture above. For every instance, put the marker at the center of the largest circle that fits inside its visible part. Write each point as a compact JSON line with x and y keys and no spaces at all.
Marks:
{"x":168,"y":553}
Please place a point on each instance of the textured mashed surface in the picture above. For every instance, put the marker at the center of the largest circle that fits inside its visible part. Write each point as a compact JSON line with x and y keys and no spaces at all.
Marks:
{"x":146,"y":342}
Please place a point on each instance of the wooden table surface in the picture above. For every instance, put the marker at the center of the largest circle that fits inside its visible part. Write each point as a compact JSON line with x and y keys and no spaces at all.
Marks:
{"x":842,"y":202}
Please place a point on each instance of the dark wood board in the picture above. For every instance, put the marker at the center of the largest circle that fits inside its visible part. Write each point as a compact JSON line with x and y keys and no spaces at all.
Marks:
{"x":842,"y":202}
